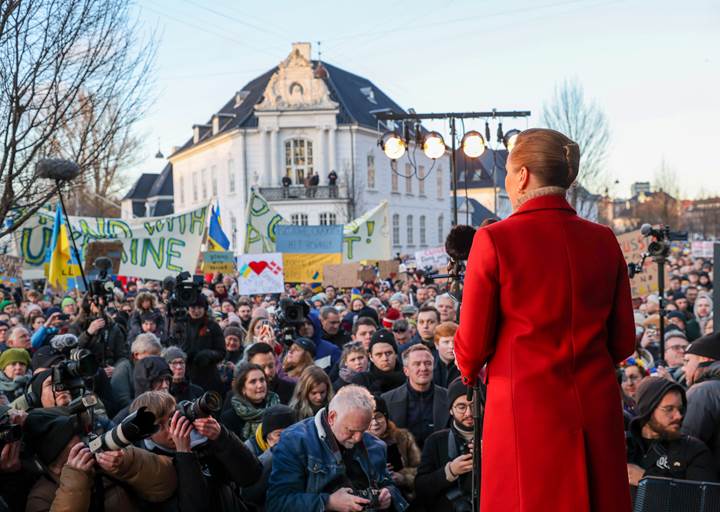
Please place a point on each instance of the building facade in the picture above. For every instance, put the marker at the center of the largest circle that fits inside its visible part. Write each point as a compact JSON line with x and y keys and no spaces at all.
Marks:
{"x":305,"y":118}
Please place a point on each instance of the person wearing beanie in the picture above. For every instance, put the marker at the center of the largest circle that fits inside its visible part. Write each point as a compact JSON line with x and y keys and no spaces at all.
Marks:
{"x":299,"y":356}
{"x":180,"y":387}
{"x":385,"y":372}
{"x":233,"y":344}
{"x":702,"y":374}
{"x":14,"y":363}
{"x":8,"y":306}
{"x":71,"y":470}
{"x":68,"y":306}
{"x":41,"y":394}
{"x":391,"y":315}
{"x":655,"y":444}
{"x":447,"y":458}
{"x":403,"y":454}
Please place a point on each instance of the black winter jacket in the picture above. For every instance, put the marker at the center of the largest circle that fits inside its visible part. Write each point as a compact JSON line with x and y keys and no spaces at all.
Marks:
{"x":702,"y":419}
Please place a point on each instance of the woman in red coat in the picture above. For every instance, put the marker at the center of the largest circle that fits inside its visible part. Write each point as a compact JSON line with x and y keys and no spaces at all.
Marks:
{"x":547,"y":306}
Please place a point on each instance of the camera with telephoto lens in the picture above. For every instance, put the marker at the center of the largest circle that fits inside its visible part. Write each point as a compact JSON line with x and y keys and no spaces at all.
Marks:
{"x":208,"y":404}
{"x":371,"y":494}
{"x":137,"y":426}
{"x":9,"y":433}
{"x":70,"y":374}
{"x":81,"y":404}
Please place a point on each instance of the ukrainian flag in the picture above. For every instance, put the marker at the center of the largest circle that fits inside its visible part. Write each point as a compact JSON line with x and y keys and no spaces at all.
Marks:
{"x":217,"y":240}
{"x":61,"y":266}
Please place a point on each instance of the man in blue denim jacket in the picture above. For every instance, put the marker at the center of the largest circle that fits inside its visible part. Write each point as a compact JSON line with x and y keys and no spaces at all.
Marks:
{"x":320,"y":460}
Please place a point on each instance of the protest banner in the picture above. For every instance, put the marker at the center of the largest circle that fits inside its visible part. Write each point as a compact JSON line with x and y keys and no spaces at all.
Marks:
{"x":307,"y":268}
{"x":152,"y":247}
{"x":10,"y":270}
{"x":343,"y":275}
{"x":260,"y":223}
{"x":702,"y":249}
{"x":367,"y":237}
{"x":435,"y":257}
{"x":260,"y":273}
{"x":307,"y":249}
{"x":218,"y":261}
{"x":388,"y":269}
{"x":633,"y":246}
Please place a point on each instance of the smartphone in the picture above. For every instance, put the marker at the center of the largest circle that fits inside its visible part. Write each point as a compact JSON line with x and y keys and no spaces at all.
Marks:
{"x":64,"y":317}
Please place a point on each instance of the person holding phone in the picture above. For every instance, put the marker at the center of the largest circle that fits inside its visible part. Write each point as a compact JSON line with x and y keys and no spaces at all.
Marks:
{"x":56,"y":323}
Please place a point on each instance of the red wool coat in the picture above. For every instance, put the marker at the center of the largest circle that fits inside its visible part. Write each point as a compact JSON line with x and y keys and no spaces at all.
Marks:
{"x":547,"y":305}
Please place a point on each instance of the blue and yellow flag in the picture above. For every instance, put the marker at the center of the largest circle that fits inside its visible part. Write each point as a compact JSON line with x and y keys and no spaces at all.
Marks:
{"x":217,"y":240}
{"x":60,"y":267}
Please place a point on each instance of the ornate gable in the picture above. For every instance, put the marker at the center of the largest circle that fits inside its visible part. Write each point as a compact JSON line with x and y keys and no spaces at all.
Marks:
{"x":294,"y":85}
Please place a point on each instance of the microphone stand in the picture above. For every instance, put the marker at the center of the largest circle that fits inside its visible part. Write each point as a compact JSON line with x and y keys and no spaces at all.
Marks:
{"x":476,"y":397}
{"x":71,"y":237}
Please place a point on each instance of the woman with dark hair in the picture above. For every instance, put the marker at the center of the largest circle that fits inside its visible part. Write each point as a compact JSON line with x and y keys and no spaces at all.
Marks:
{"x":249,"y":401}
{"x":146,"y":305}
{"x":553,"y":405}
{"x":312,"y":392}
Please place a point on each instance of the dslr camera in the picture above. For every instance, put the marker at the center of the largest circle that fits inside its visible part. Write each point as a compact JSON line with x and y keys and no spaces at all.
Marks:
{"x":208,"y":404}
{"x":70,"y":374}
{"x":371,"y":494}
{"x":183,"y":293}
{"x":291,"y":316}
{"x":137,"y":426}
{"x":102,"y":289}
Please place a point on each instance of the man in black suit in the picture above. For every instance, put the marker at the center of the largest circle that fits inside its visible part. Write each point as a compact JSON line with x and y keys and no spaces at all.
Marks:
{"x":419,"y":405}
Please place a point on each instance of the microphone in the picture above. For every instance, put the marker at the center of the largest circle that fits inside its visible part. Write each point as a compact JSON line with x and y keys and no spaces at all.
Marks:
{"x":57,"y":169}
{"x":459,"y":241}
{"x":646,"y":230}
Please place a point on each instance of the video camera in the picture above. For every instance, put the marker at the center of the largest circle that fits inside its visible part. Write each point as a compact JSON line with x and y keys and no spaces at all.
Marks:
{"x":183,"y":291}
{"x":291,"y":316}
{"x":102,"y":289}
{"x":70,"y":374}
{"x":209,"y":403}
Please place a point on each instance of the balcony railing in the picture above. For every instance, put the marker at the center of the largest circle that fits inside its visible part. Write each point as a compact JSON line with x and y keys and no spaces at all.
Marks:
{"x":300,"y":193}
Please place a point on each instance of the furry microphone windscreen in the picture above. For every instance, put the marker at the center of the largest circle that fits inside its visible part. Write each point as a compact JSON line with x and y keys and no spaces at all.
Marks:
{"x":57,"y":169}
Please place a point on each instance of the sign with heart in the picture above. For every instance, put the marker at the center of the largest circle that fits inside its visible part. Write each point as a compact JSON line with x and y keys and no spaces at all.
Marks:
{"x":260,"y":273}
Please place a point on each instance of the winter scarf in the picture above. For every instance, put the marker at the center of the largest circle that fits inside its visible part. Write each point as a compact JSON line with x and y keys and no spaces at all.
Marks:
{"x":250,"y":414}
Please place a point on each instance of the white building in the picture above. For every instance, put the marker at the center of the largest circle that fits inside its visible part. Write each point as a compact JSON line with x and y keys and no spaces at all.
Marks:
{"x":304,"y":116}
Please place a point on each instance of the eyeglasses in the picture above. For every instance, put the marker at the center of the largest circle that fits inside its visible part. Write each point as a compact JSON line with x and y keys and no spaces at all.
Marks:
{"x":399,"y":331}
{"x":677,"y":348}
{"x":177,"y":363}
{"x":669,"y":409}
{"x":462,"y":408}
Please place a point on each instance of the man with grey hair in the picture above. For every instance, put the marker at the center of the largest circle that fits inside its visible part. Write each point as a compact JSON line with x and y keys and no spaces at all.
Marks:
{"x":328,"y":461}
{"x":18,"y":337}
{"x":331,"y":327}
{"x":123,"y":388}
{"x":445,"y":305}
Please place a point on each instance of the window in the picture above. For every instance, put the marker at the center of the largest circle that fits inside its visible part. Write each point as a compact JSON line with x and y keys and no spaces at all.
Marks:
{"x":298,"y":159}
{"x":423,"y":240}
{"x":440,"y":191}
{"x":421,"y":180}
{"x":196,"y":187}
{"x":396,"y":229}
{"x":394,"y":185}
{"x":299,"y":219}
{"x":182,"y":190}
{"x":231,"y":175}
{"x":203,"y":183}
{"x":408,"y":179}
{"x":371,"y":171}
{"x":441,"y":226}
{"x":410,"y":230}
{"x":213,"y":180}
{"x":233,"y":229}
{"x":328,"y":219}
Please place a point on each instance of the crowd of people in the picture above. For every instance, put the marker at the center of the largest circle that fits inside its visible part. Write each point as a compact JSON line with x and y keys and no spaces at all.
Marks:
{"x":354,"y":405}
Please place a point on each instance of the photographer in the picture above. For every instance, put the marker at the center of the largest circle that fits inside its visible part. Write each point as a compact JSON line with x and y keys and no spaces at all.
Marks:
{"x":330,"y":462}
{"x":99,"y":334}
{"x":208,"y":474}
{"x":17,"y":471}
{"x":201,"y":338}
{"x":444,"y":478}
{"x":77,"y":480}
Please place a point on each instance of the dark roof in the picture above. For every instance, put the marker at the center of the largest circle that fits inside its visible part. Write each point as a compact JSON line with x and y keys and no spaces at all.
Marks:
{"x":163,"y":207}
{"x":478,"y":172}
{"x":353,"y":94}
{"x":142,"y":186}
{"x":478,"y":212}
{"x":163,"y":185}
{"x":138,"y":208}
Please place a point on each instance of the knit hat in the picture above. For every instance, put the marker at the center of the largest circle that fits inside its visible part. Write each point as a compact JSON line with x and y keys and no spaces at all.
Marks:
{"x":201,"y":301}
{"x":306,"y":344}
{"x":14,"y":355}
{"x":319,"y":297}
{"x":399,"y":297}
{"x":391,"y":315}
{"x":36,"y":383}
{"x":650,"y":393}
{"x":381,"y":406}
{"x":408,"y":309}
{"x":383,"y":336}
{"x":679,"y":294}
{"x":48,"y":430}
{"x":173,"y":352}
{"x":674,"y":332}
{"x":45,"y":357}
{"x":676,"y":314}
{"x":456,"y":389}
{"x":149,"y":316}
{"x":233,"y":331}
{"x":5,"y":303}
{"x":707,"y":346}
{"x":277,"y":417}
{"x":67,"y":301}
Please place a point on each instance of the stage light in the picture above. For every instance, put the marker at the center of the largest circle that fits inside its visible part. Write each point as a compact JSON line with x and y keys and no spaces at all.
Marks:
{"x":473,"y":144}
{"x":510,"y":138}
{"x":433,"y":145}
{"x":393,"y":145}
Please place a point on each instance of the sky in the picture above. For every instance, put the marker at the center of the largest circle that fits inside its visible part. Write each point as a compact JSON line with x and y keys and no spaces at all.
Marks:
{"x":653,"y":66}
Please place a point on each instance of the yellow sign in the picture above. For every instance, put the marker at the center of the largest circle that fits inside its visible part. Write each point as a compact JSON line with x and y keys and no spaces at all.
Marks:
{"x":307,"y":268}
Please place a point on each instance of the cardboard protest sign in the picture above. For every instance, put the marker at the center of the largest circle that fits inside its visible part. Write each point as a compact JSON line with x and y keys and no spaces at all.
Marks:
{"x":152,"y":247}
{"x":260,"y":273}
{"x":103,"y":249}
{"x":10,"y":270}
{"x":633,"y":246}
{"x":218,"y":261}
{"x":435,"y":258}
{"x":388,"y":269}
{"x":344,"y":275}
{"x":308,"y":268}
{"x":703,"y":249}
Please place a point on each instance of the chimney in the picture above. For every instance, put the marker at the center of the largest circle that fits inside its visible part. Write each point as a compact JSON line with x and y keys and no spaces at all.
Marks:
{"x":303,"y":49}
{"x":196,"y":133}
{"x":215,"y":124}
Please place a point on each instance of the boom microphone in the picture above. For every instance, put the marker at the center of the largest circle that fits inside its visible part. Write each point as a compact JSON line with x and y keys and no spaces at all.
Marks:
{"x":57,"y":169}
{"x":459,"y":241}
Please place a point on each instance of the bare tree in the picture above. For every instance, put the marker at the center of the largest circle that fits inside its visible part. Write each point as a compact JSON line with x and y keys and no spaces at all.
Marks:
{"x":666,"y":180}
{"x":584,"y":122}
{"x":74,"y":77}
